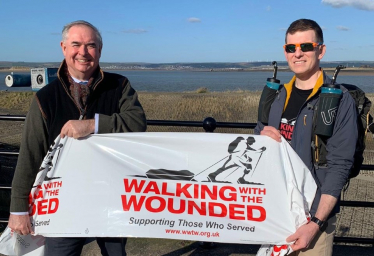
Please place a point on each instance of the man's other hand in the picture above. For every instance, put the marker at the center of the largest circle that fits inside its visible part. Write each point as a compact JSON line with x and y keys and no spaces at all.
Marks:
{"x":20,"y":224}
{"x":303,"y":236}
{"x":78,"y":128}
{"x":272,"y":133}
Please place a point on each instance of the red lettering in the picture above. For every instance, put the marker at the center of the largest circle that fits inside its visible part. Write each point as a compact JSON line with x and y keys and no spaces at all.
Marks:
{"x":132,"y":203}
{"x":47,"y":186}
{"x":244,"y":190}
{"x":205,"y":190}
{"x":196,"y":191}
{"x":151,"y":208}
{"x":55,"y":184}
{"x":262,"y":191}
{"x":181,"y":209}
{"x":278,"y":248}
{"x":183,"y":190}
{"x":233,"y":212}
{"x":152,"y":187}
{"x":30,"y":199}
{"x":133,"y":186}
{"x":287,"y":135}
{"x":192,"y":205}
{"x":53,"y":205}
{"x":232,"y":196}
{"x":254,"y":208}
{"x":42,"y":207}
{"x":38,"y":194}
{"x":164,"y":190}
{"x":212,"y":211}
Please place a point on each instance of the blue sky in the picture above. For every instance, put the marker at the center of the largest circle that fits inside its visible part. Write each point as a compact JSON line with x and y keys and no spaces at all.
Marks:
{"x":164,"y":31}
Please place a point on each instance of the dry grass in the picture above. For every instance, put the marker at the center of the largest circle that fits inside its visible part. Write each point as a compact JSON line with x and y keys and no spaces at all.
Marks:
{"x":16,"y":101}
{"x":229,"y":106}
{"x":233,"y":106}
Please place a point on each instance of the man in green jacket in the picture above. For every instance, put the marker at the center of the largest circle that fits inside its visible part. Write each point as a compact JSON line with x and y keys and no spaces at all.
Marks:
{"x":83,"y":100}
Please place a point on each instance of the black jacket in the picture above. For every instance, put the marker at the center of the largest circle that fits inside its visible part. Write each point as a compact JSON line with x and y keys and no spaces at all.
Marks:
{"x":112,"y":97}
{"x":340,"y":146}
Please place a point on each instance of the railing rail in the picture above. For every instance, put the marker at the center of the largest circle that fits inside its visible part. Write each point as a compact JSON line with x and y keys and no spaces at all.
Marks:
{"x":209,"y":124}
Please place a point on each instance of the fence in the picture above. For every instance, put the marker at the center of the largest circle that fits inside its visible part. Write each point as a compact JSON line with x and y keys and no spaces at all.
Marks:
{"x":209,"y":124}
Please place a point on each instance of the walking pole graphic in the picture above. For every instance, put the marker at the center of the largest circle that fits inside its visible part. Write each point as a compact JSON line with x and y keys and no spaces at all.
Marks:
{"x":209,"y":167}
{"x":232,"y":172}
{"x":254,"y":169}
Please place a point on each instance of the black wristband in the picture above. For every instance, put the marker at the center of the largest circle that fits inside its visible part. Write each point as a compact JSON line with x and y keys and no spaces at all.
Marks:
{"x":321,"y":224}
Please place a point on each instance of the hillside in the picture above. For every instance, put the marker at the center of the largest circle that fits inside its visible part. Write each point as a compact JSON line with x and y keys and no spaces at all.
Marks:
{"x":6,"y":65}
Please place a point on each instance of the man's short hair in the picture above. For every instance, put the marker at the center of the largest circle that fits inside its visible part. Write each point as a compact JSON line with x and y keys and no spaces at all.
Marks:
{"x":66,"y":28}
{"x":305,"y":25}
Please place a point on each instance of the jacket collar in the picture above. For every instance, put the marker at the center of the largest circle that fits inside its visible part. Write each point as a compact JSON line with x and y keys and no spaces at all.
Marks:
{"x":322,"y":79}
{"x":98,"y":76}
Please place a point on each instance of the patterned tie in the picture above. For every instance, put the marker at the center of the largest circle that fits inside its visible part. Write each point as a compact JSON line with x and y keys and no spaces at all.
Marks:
{"x":80,"y":92}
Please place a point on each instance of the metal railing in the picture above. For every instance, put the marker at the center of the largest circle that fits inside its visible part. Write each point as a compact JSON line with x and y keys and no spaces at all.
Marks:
{"x":209,"y":124}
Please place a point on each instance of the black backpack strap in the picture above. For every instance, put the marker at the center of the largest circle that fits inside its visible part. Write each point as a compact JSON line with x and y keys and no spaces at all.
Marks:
{"x":318,"y":143}
{"x":314,"y":139}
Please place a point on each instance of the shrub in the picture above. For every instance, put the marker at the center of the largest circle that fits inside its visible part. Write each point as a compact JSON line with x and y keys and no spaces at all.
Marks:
{"x":202,"y":90}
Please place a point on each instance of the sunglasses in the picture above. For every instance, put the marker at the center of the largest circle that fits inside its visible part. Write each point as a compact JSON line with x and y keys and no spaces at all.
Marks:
{"x":305,"y":47}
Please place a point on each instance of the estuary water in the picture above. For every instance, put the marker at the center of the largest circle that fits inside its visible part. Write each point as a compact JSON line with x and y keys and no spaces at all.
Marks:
{"x":182,"y":81}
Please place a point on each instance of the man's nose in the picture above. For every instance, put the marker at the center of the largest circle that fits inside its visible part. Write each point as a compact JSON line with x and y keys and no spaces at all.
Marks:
{"x":298,"y":52}
{"x":82,"y":50}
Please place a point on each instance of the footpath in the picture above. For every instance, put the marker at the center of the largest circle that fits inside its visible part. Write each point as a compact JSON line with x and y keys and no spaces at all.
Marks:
{"x":168,"y":247}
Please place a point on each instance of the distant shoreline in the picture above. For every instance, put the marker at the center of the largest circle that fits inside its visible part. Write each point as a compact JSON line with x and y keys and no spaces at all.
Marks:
{"x":329,"y":71}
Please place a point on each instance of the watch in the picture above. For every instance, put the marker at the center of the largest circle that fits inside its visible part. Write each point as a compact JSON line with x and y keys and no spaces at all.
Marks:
{"x":321,"y":224}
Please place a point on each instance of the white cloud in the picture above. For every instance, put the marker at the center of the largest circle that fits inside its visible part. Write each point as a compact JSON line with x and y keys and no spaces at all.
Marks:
{"x":367,"y":5}
{"x":194,"y":20}
{"x":342,"y":28}
{"x":135,"y":31}
{"x":268,"y":8}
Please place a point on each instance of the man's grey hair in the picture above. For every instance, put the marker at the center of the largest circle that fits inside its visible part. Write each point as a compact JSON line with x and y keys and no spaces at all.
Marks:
{"x":66,"y":28}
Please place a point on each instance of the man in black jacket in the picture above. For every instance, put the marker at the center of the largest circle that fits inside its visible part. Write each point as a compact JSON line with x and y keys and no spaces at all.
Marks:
{"x":291,"y":116}
{"x":83,"y":100}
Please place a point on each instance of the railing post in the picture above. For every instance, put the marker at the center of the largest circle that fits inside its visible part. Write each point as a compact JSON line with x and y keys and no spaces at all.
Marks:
{"x":209,"y":124}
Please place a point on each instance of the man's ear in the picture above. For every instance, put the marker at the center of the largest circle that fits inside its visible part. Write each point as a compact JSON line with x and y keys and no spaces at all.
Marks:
{"x":100,"y":49}
{"x":63,"y":47}
{"x":322,"y":51}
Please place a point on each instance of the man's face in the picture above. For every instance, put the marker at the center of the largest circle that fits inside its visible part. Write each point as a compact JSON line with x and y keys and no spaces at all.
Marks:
{"x":304,"y":64}
{"x":82,"y":51}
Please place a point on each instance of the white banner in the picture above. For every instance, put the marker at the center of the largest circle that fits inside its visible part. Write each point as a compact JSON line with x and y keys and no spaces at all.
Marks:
{"x":192,"y":186}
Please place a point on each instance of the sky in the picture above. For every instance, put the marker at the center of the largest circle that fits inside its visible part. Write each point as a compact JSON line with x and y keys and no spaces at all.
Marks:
{"x":169,"y":31}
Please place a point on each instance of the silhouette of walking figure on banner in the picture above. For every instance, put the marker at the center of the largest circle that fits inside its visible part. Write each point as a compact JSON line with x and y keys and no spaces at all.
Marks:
{"x":240,"y":152}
